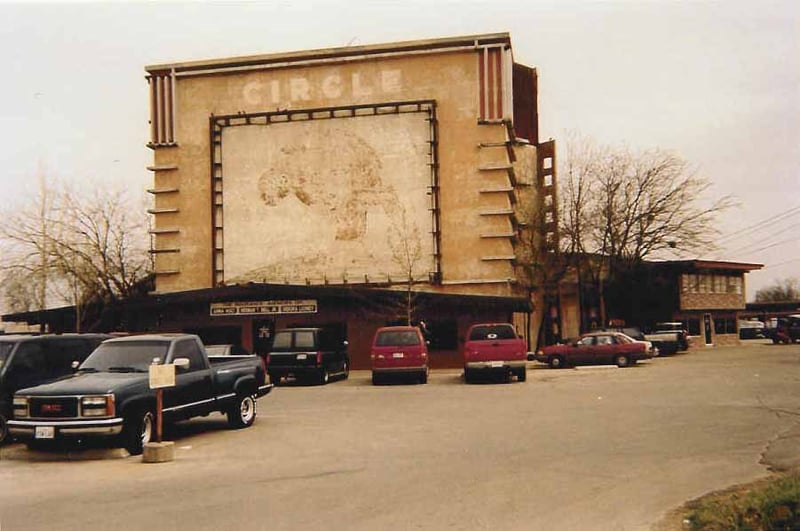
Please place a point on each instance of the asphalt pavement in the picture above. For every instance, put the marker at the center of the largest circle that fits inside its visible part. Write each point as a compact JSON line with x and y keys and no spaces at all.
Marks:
{"x":598,"y":448}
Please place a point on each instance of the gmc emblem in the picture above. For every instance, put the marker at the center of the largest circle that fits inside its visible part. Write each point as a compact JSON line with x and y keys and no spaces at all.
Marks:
{"x":51,"y":408}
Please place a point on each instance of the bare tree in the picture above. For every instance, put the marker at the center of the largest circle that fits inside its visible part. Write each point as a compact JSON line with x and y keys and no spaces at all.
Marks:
{"x":75,"y":249}
{"x":621,"y":207}
{"x":406,"y":246}
{"x":26,"y":234}
{"x":787,"y":289}
{"x":103,"y":245}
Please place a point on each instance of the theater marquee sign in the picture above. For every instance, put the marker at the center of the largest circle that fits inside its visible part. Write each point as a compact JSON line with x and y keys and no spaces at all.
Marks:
{"x":236,"y":308}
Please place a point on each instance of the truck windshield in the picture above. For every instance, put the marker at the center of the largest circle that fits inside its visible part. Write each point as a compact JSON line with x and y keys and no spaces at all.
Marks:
{"x":5,"y":352}
{"x":126,"y":356}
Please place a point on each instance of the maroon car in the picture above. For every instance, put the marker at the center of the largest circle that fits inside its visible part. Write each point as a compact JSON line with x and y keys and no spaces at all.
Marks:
{"x":596,"y":348}
{"x":399,"y":351}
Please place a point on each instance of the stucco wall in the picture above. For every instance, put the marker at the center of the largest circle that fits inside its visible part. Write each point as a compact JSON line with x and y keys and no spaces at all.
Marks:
{"x":466,"y":213}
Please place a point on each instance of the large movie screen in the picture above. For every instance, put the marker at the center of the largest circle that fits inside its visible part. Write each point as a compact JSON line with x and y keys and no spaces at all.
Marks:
{"x":328,"y":200}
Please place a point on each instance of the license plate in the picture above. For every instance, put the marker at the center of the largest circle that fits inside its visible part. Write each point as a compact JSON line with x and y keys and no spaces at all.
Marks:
{"x":398,"y":355}
{"x":302,"y":356}
{"x":45,"y":432}
{"x":495,"y":364}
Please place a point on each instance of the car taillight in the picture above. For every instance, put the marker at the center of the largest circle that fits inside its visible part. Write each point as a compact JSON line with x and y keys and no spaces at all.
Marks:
{"x":319,"y":358}
{"x":266,"y":359}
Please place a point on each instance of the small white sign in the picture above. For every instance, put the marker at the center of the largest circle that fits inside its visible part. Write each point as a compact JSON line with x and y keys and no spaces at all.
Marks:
{"x":162,"y":376}
{"x":222,"y":309}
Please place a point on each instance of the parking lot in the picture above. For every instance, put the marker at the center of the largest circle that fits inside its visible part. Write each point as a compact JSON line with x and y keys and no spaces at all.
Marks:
{"x":590,"y":448}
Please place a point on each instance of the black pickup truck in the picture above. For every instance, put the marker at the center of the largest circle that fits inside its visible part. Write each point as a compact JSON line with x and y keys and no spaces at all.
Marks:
{"x":110,"y":395}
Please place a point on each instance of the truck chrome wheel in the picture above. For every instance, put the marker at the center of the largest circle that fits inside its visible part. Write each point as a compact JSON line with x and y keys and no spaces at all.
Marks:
{"x":148,"y":422}
{"x":138,"y":431}
{"x":243,"y":413}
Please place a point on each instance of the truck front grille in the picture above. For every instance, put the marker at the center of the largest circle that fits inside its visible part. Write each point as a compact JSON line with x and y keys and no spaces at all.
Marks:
{"x":56,"y":407}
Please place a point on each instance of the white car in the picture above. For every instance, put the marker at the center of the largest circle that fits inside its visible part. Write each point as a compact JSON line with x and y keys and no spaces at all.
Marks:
{"x":652,"y":349}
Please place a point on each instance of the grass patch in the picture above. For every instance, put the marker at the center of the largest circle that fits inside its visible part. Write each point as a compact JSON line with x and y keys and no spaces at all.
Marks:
{"x":772,"y":504}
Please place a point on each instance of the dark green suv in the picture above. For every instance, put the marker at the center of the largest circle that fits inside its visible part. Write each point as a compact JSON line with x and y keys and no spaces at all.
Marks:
{"x":26,"y":361}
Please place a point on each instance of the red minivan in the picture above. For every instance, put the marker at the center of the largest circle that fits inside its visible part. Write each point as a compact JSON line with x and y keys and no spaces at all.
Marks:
{"x":399,"y":350}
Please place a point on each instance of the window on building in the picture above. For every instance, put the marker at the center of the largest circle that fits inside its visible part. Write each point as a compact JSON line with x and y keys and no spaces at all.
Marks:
{"x":703,"y":284}
{"x":724,"y":325}
{"x":735,"y":285}
{"x":693,"y":327}
{"x":720,"y":284}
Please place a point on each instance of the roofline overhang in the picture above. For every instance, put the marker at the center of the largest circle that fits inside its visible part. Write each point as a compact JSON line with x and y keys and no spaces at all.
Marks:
{"x":714,"y":264}
{"x":210,"y":66}
{"x":256,"y":291}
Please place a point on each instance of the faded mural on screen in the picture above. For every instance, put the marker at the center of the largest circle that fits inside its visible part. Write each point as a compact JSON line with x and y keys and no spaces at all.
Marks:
{"x":327,"y":200}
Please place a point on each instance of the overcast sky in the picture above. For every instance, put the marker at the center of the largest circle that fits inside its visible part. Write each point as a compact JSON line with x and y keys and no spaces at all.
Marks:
{"x":717,"y":82}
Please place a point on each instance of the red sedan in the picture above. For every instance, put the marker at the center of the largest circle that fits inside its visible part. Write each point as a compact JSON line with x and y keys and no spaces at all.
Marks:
{"x":596,"y":348}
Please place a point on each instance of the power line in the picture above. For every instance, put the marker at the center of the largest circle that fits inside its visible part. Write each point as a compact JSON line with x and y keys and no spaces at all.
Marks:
{"x":756,"y":226}
{"x":772,"y":245}
{"x":746,"y":247}
{"x":784,"y":262}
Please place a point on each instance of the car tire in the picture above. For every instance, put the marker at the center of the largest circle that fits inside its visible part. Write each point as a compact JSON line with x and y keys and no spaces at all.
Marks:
{"x":622,"y":360}
{"x":4,"y":437}
{"x":522,"y":375}
{"x":423,"y":378}
{"x":556,"y":362}
{"x":243,"y":413}
{"x":138,"y":429}
{"x":467,"y":376}
{"x":345,"y":370}
{"x":324,"y":376}
{"x":376,"y":380}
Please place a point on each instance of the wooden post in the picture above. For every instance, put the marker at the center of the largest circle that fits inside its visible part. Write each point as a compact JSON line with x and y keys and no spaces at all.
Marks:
{"x":159,"y":413}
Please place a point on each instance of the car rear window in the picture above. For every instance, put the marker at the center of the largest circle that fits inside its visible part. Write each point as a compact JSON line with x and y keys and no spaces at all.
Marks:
{"x":390,"y":338}
{"x":216,"y":350}
{"x":304,"y":339}
{"x":483,"y":333}
{"x":282,"y":341}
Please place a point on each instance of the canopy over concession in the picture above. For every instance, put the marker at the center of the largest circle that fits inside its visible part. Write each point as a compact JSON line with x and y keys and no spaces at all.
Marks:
{"x":137,"y":313}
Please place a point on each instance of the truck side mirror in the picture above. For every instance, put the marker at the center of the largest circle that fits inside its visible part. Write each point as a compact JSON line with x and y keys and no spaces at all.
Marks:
{"x":181,"y":363}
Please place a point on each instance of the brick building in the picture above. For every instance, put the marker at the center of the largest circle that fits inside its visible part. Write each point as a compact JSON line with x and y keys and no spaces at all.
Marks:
{"x":708,"y":297}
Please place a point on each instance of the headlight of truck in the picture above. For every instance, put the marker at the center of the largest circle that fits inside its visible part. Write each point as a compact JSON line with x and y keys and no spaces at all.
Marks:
{"x":97,"y":406}
{"x":21,"y":407}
